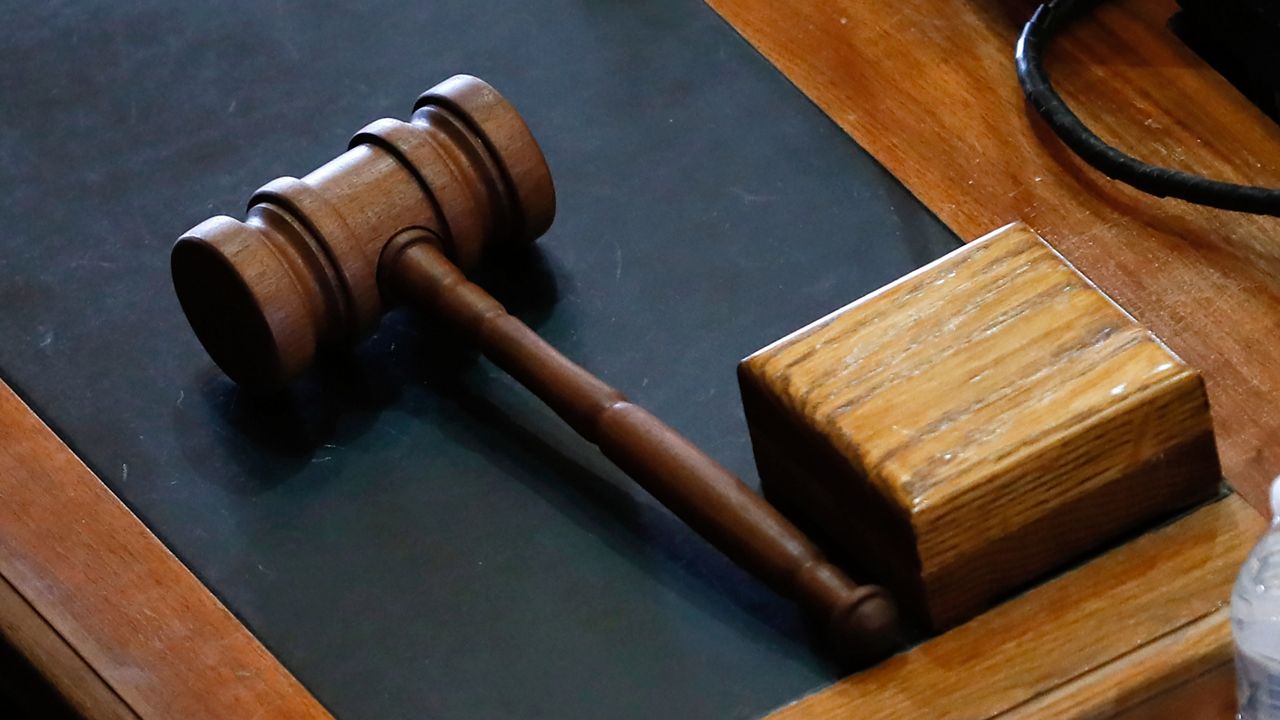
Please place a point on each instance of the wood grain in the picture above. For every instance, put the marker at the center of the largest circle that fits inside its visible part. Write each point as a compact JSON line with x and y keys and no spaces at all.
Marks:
{"x":78,"y":683}
{"x":928,"y":88}
{"x":105,"y":611}
{"x":1156,"y":600}
{"x":1211,"y":696}
{"x":1182,"y":670}
{"x":1005,"y":414}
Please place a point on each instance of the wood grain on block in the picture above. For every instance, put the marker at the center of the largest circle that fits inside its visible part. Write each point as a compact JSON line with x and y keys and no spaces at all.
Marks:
{"x":119,"y":626}
{"x":977,"y":425}
{"x":928,"y":87}
{"x":1128,"y":631}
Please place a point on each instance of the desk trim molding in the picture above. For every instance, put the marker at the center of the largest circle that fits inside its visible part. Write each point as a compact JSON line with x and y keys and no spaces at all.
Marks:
{"x":119,"y":626}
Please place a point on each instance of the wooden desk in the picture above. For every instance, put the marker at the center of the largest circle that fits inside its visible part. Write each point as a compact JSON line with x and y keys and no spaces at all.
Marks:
{"x":307,"y":521}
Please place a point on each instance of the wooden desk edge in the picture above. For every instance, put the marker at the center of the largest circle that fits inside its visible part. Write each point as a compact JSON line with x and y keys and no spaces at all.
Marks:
{"x":1111,"y":637}
{"x":53,"y":657}
{"x":1174,"y":670}
{"x":101,"y":608}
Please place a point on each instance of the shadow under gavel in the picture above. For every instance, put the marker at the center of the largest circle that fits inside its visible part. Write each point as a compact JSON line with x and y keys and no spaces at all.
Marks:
{"x":399,"y":217}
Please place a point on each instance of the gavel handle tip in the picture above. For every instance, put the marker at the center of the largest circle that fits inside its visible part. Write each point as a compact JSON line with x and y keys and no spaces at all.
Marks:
{"x":867,"y":629}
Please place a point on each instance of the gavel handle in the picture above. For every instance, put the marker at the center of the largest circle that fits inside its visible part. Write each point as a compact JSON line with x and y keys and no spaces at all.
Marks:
{"x":860,"y":620}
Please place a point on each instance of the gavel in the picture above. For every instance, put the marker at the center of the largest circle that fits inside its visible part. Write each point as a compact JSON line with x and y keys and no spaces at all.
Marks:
{"x":400,"y":217}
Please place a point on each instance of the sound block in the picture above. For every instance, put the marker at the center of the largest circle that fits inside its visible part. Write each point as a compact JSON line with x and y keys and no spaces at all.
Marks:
{"x":977,"y":425}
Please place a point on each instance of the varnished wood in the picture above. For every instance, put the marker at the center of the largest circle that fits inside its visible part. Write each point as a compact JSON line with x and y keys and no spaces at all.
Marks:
{"x":1155,"y":601}
{"x":1186,"y":674}
{"x":1211,"y":696}
{"x":74,"y":680}
{"x":977,"y":424}
{"x":928,"y":87}
{"x":318,"y":259}
{"x":105,"y":611}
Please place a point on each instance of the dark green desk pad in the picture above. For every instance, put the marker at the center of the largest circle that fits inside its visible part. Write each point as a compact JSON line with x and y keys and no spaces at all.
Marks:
{"x":410,"y":532}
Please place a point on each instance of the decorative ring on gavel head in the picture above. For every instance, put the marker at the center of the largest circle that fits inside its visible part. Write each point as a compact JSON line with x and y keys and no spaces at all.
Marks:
{"x":299,"y":273}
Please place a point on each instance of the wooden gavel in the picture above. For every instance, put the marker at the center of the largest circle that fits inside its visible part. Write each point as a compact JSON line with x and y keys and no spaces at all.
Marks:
{"x":316,"y":261}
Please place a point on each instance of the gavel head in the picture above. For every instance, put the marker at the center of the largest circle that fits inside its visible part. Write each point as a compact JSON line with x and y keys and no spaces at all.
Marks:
{"x":300,"y":272}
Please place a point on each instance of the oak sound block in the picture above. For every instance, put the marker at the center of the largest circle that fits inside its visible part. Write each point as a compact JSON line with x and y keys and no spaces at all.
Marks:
{"x":976,"y":425}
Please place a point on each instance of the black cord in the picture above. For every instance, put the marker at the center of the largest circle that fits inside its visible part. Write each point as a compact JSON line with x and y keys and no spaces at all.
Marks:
{"x":1044,"y":25}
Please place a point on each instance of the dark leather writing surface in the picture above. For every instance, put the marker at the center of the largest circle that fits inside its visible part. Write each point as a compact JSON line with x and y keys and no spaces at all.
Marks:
{"x":409,"y":531}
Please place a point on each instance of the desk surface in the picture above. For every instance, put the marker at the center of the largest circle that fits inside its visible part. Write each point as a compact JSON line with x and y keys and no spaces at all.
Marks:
{"x":410,"y":532}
